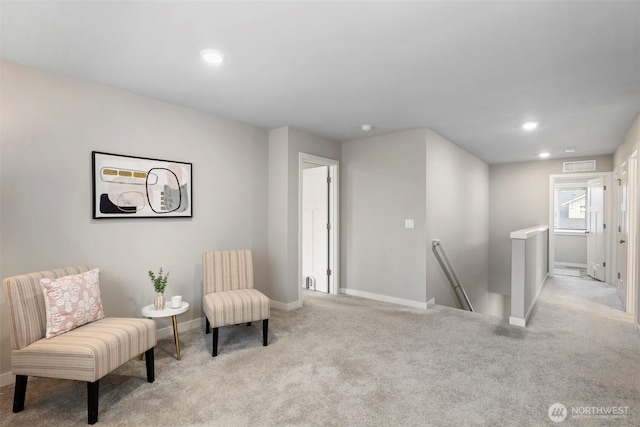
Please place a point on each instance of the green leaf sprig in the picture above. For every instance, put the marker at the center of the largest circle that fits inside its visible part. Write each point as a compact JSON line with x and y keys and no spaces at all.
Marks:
{"x":159,"y":281}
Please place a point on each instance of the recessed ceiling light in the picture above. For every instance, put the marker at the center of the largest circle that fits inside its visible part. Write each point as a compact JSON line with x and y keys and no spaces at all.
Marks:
{"x":366,"y":128}
{"x":570,"y":150}
{"x":543,"y":155}
{"x":530,"y":125}
{"x":212,"y":56}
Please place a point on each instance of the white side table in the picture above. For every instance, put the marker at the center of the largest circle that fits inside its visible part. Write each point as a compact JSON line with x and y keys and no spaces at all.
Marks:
{"x":150,"y":312}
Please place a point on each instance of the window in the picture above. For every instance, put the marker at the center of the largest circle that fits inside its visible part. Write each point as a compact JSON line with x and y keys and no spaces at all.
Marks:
{"x":570,"y":211}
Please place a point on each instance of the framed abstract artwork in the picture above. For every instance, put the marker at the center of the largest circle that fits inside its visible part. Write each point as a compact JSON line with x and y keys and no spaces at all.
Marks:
{"x":139,"y":187}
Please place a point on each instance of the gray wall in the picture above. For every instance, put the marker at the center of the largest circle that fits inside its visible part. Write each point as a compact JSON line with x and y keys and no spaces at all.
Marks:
{"x":278,"y":222}
{"x":457,"y":213}
{"x":285,"y":145}
{"x":382,"y":184}
{"x":570,"y":249}
{"x":519,"y":198}
{"x":49,"y":127}
{"x":422,"y":176}
{"x":631,"y":142}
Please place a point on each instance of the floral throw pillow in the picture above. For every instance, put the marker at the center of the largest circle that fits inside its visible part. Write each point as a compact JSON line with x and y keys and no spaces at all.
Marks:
{"x":71,"y":301}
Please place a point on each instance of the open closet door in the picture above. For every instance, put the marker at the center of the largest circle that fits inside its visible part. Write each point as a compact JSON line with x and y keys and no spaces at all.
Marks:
{"x":315,"y":230}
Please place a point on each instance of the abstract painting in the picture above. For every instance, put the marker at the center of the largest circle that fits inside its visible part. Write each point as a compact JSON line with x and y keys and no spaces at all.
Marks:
{"x":139,"y":187}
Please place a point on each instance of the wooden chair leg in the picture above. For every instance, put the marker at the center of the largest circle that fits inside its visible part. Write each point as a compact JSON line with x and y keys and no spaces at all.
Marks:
{"x":20,"y":392}
{"x":92,"y":401}
{"x":265,"y":331}
{"x":207,"y":325}
{"x":149,"y":358}
{"x":214,"y":339}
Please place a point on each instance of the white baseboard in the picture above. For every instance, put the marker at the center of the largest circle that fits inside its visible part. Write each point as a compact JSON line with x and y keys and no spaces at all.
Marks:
{"x":385,"y":298}
{"x":182,"y":327}
{"x":286,"y":306}
{"x":7,"y":379}
{"x":517,"y":321}
{"x":535,"y":299}
{"x":570,"y":264}
{"x":431,"y":303}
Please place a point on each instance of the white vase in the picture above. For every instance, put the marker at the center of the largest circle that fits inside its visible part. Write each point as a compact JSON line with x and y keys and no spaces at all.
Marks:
{"x":158,"y":302}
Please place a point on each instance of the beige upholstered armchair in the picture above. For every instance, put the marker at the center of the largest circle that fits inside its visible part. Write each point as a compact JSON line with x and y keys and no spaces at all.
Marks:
{"x":229,"y":296}
{"x":44,"y":346}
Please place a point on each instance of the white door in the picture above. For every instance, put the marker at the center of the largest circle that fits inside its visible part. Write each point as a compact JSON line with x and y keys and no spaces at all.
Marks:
{"x":315,"y":233}
{"x":622,"y":235}
{"x":596,"y":242}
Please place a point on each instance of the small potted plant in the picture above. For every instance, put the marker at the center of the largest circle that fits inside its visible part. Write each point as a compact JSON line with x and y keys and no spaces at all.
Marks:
{"x":159,"y":283}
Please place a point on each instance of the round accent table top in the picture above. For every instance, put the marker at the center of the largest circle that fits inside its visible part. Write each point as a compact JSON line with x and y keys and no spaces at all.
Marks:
{"x":150,"y":311}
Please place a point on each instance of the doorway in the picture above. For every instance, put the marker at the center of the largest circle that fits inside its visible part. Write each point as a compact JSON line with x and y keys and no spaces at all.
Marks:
{"x":569,"y":226}
{"x":318,"y":254}
{"x":570,"y":242}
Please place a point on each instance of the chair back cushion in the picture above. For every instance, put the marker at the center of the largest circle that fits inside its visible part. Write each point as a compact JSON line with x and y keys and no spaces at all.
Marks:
{"x":227,"y":270}
{"x":25,"y":300}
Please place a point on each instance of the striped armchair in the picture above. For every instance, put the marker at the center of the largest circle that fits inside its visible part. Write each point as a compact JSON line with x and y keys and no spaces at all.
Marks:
{"x":229,"y":297}
{"x":86,"y":353}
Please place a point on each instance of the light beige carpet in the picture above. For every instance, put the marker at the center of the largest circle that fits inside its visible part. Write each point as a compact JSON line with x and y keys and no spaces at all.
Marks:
{"x":345,"y":361}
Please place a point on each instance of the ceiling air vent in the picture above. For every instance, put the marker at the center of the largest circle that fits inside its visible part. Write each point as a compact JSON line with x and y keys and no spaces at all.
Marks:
{"x":581,"y":166}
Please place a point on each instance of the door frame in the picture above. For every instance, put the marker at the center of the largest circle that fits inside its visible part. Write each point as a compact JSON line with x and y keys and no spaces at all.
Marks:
{"x":633,"y":236}
{"x":635,"y":161}
{"x":622,"y":195}
{"x":334,"y":219}
{"x":608,"y":218}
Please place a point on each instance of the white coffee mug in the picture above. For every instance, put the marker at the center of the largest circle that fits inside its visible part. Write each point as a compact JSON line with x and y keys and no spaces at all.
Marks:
{"x":176,"y":301}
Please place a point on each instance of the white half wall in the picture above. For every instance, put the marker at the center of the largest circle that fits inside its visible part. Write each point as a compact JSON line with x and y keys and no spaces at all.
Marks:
{"x":529,"y":270}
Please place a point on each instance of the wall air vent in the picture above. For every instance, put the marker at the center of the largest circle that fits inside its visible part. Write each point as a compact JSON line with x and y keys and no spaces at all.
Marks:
{"x":580,"y":166}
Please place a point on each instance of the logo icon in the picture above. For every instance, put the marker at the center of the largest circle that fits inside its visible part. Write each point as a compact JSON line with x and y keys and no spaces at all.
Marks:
{"x":557,"y":412}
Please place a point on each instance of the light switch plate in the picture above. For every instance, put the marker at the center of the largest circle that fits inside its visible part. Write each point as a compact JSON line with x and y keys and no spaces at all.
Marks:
{"x":408,"y":223}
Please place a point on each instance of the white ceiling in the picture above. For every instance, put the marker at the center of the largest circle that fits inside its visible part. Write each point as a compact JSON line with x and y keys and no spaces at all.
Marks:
{"x":472,"y":71}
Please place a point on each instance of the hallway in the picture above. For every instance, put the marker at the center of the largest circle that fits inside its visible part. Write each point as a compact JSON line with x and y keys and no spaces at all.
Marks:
{"x":585,"y":287}
{"x":585,"y":301}
{"x":593,"y":347}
